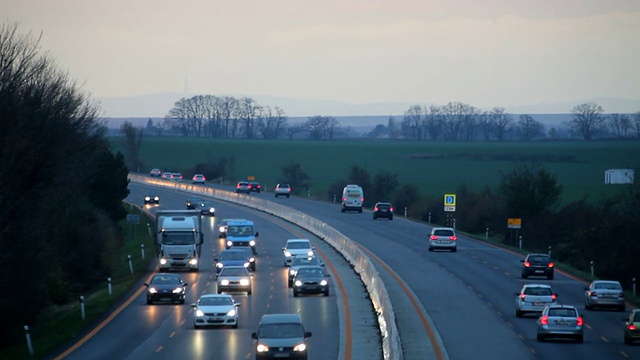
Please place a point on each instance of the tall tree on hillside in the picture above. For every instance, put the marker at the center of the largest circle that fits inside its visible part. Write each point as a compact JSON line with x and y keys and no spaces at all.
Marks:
{"x":131,"y":143}
{"x":501,"y":121}
{"x":587,"y":120}
{"x":296,"y":177}
{"x":636,"y":124}
{"x":529,"y":191}
{"x":619,"y":124}
{"x":51,"y":139}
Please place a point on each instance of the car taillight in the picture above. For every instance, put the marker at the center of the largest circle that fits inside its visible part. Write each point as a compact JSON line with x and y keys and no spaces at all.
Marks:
{"x":390,"y":209}
{"x":433,"y":237}
{"x":553,"y":297}
{"x":632,"y":327}
{"x":621,"y":294}
{"x":375,"y":209}
{"x":361,"y":199}
{"x":527,"y":264}
{"x":344,"y":199}
{"x":550,"y":265}
{"x":453,"y":238}
{"x":523,"y":296}
{"x":544,"y":320}
{"x":579,"y":321}
{"x":592,"y":293}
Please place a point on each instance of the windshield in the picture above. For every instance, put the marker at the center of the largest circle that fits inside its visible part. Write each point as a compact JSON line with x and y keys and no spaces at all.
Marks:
{"x":246,"y":230}
{"x":215,"y":301}
{"x":310,"y":272}
{"x":178,"y":238}
{"x":281,"y":331}
{"x":233,"y":255}
{"x":299,"y":245}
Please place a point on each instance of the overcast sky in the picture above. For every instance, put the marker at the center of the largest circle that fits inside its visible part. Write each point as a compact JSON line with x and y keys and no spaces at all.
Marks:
{"x":485,"y":53}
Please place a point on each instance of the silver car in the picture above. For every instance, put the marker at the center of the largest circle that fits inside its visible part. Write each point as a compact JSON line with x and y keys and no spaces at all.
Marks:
{"x":297,"y":262}
{"x":443,"y":238}
{"x":215,"y":310}
{"x":296,"y":247}
{"x":560,"y":321}
{"x":234,"y":279}
{"x":533,"y":298}
{"x":604,"y":293}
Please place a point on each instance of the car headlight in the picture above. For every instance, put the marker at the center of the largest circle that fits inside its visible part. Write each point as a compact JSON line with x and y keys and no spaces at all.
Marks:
{"x":152,"y":290}
{"x":199,"y":313}
{"x":310,"y":253}
{"x":300,"y":347}
{"x":298,"y":283}
{"x":244,"y":282}
{"x":229,"y":243}
{"x":219,"y":265}
{"x":221,"y":229}
{"x":224,"y":282}
{"x":177,"y":290}
{"x":193,"y":262}
{"x":262,"y":348}
{"x":246,"y":264}
{"x":232,"y":312}
{"x":147,"y":198}
{"x":323,"y":283}
{"x":252,"y":243}
{"x":156,"y":198}
{"x":163,"y":261}
{"x":252,"y":259}
{"x":293,"y":272}
{"x":287,"y":254}
{"x":212,"y":209}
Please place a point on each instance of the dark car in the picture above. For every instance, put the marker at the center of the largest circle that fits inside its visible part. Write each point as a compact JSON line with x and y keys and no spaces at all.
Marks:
{"x":537,"y":265}
{"x":632,"y":327}
{"x":193,"y":202}
{"x":155,"y":173}
{"x":238,"y":256}
{"x":243,"y":187}
{"x":151,"y":199}
{"x":207,"y":208}
{"x":166,"y":287}
{"x":383,"y":210}
{"x":298,"y":262}
{"x":254,"y":186}
{"x":281,"y":336}
{"x":311,"y":280}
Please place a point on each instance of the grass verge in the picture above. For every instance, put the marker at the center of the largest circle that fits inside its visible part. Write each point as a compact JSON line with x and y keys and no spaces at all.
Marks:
{"x":62,"y":324}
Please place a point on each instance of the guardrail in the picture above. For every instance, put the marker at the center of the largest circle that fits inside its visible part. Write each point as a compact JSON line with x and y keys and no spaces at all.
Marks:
{"x":391,"y":346}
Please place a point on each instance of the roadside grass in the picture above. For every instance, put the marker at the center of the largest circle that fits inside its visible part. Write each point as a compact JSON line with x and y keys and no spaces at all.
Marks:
{"x":63,"y":324}
{"x":435,"y":168}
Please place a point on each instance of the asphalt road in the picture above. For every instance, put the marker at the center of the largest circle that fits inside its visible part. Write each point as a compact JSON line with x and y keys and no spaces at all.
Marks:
{"x":165,"y":331}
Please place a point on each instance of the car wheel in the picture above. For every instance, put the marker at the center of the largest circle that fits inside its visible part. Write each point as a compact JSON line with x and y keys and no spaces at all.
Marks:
{"x":195,"y":326}
{"x":219,"y":291}
{"x":295,"y":293}
{"x":627,"y":340}
{"x":149,"y":302}
{"x":276,"y":195}
{"x":342,"y":210}
{"x":287,"y":196}
{"x":580,"y":339}
{"x":182,"y":301}
{"x":374,"y":217}
{"x":523,"y":276}
{"x":519,"y":313}
{"x":360,"y":210}
{"x":430,"y":249}
{"x":326,"y":292}
{"x":540,"y":337}
{"x":622,"y":308}
{"x":391,"y":218}
{"x":290,"y":284}
{"x":455,"y":249}
{"x":235,"y":326}
{"x":550,"y":277}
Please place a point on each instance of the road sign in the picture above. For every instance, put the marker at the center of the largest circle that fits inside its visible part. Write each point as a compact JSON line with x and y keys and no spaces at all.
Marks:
{"x":449,"y":199}
{"x":251,"y":177}
{"x":514,"y":223}
{"x":450,"y":202}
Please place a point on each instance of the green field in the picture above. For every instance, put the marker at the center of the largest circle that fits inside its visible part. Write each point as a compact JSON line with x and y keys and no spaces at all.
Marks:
{"x":435,"y":167}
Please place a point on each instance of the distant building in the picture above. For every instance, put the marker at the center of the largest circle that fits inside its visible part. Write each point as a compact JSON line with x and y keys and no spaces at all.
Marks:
{"x":618,"y":176}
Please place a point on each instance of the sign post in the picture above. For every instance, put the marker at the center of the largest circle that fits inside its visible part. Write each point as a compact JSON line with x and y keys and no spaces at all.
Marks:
{"x":450,"y":209}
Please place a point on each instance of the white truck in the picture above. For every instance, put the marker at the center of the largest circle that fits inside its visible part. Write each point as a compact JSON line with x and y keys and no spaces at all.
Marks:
{"x":179,"y":239}
{"x":352,"y":198}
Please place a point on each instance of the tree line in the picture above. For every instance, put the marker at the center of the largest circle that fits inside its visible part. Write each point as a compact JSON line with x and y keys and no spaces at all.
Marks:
{"x":212,"y":116}
{"x":61,"y":187}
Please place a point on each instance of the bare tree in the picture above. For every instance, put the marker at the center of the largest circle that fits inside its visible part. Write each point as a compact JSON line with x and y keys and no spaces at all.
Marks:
{"x":412,"y":123}
{"x":620,"y":125}
{"x":636,"y":124}
{"x":529,"y":128}
{"x":587,"y":120}
{"x":332,"y":126}
{"x":501,"y":120}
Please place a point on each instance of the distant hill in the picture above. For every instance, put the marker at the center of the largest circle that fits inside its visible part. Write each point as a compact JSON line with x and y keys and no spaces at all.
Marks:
{"x":158,"y":105}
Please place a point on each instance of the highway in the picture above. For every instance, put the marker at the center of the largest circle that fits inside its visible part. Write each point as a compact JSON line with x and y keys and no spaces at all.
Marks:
{"x":164,"y":331}
{"x":448,"y":305}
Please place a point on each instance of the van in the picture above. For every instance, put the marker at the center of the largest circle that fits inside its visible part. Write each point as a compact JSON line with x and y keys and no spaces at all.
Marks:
{"x":241,"y":233}
{"x":352,"y":198}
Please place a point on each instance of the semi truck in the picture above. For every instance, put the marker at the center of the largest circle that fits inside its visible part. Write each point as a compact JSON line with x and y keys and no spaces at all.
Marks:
{"x":179,"y":239}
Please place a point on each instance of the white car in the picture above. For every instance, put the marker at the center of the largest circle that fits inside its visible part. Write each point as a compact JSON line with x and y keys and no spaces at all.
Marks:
{"x":215,"y":310}
{"x":234,"y":279}
{"x":282,"y":190}
{"x":443,"y":238}
{"x":604,"y":293}
{"x":532,"y":298}
{"x":295,"y":247}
